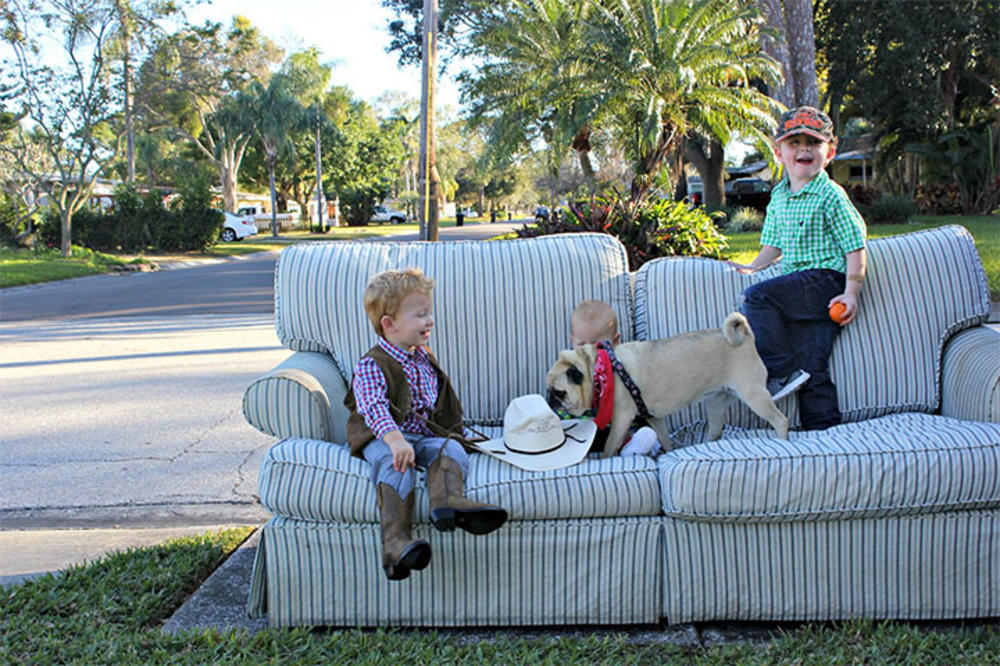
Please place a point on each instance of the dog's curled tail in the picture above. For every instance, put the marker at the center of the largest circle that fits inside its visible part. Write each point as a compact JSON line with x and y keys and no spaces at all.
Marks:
{"x":736,"y":329}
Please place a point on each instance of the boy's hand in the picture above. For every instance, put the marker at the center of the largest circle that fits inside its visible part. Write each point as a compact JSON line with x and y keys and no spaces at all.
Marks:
{"x":850,"y":307}
{"x":403,"y":456}
{"x":741,"y":268}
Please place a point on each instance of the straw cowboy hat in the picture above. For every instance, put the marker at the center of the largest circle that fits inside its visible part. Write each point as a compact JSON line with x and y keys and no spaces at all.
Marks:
{"x":535,"y":439}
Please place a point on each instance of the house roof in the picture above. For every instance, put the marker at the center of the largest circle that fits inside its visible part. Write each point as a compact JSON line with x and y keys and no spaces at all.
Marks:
{"x":861,"y":147}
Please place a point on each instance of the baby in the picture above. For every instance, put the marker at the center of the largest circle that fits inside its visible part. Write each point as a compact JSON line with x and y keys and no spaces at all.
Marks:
{"x":591,"y":322}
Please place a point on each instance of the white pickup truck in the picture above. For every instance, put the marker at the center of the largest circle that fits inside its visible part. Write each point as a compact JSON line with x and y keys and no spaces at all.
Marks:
{"x":384,"y":214}
{"x":263,"y":220}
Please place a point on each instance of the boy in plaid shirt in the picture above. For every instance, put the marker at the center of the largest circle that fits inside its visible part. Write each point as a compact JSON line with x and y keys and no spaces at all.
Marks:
{"x":813,"y":227}
{"x":404,"y":413}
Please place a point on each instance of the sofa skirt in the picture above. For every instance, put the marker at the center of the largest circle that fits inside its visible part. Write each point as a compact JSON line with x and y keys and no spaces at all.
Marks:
{"x":933,"y":566}
{"x":599,"y":571}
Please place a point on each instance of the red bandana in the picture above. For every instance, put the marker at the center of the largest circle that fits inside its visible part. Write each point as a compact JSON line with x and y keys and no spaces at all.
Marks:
{"x":604,"y":389}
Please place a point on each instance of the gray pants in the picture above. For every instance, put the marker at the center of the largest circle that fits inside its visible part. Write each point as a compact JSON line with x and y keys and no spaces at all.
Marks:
{"x":379,"y":455}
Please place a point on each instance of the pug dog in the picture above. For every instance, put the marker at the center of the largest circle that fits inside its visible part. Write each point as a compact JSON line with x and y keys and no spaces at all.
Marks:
{"x":671,"y":374}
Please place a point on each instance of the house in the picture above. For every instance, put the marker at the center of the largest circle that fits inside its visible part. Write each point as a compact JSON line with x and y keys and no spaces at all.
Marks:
{"x":854,"y":162}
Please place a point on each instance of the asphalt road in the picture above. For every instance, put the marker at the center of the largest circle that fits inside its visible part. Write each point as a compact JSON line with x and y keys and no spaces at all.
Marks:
{"x":237,"y":286}
{"x":121,"y":395}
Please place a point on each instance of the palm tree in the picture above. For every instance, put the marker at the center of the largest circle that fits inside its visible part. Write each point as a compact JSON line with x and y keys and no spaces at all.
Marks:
{"x":277,"y":114}
{"x":533,"y":84}
{"x":649,"y":70}
{"x":673,"y":66}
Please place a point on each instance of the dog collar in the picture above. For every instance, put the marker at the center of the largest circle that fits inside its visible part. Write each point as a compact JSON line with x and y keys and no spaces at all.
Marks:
{"x":630,"y":386}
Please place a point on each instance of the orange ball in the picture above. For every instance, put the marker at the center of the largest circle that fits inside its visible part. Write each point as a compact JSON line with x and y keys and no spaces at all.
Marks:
{"x":837,"y":312}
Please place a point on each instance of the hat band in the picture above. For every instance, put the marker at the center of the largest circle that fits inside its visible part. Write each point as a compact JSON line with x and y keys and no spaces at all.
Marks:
{"x":534,"y":453}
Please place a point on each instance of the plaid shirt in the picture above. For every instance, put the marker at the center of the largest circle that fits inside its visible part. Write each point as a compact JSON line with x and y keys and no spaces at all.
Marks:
{"x":370,"y":390}
{"x":814,"y":227}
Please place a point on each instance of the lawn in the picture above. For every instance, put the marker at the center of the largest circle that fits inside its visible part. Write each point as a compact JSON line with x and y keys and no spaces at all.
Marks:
{"x":984,"y":228}
{"x":19,"y":267}
{"x":110,"y":611}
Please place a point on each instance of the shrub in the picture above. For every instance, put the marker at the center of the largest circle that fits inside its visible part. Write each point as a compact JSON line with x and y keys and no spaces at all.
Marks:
{"x":938,"y":199}
{"x":647,"y":230}
{"x":745,"y":219}
{"x":195,"y":224}
{"x":862,"y":196}
{"x":889,"y":209}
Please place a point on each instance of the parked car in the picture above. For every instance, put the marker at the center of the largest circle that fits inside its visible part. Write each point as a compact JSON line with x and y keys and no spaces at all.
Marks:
{"x":541,"y":213}
{"x":750,"y":192}
{"x":237,"y":227}
{"x":263,"y":220}
{"x":385,"y":214}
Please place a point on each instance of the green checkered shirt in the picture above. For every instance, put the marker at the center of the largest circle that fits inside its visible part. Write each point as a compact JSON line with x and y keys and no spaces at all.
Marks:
{"x":814,"y":227}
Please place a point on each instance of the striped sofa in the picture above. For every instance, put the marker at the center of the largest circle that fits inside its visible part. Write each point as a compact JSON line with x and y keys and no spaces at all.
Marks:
{"x":894,"y":513}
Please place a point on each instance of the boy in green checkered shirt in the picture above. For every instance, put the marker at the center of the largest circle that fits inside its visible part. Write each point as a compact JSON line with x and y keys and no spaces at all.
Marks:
{"x":818,"y":234}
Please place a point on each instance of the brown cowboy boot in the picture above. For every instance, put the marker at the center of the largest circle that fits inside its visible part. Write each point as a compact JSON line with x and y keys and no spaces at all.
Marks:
{"x":450,"y":508}
{"x":400,"y":551}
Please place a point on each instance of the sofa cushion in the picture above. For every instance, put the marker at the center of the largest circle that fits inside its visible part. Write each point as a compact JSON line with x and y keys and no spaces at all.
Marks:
{"x":921,"y":288}
{"x":312,"y":480}
{"x":502,"y":308}
{"x":894,"y":465}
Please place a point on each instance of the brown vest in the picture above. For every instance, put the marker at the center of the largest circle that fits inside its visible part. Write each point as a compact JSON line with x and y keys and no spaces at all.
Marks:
{"x":446,"y":417}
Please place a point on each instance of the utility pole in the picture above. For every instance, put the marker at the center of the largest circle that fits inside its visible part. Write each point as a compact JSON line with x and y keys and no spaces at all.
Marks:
{"x":429,"y":180}
{"x":319,"y":174}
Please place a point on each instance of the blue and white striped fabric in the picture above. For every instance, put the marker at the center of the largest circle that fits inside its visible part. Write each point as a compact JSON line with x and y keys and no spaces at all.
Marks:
{"x":895,"y":465}
{"x":970,"y":378}
{"x":315,"y":480}
{"x":929,"y":566}
{"x":922,"y":287}
{"x":527,"y":573}
{"x":301,"y":397}
{"x":502,"y":308}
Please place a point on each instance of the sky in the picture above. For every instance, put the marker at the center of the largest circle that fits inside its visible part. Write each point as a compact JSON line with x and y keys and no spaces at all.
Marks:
{"x":351,"y":34}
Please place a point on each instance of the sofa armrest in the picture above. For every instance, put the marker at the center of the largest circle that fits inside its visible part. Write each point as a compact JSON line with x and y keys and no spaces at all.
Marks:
{"x":970,"y":375}
{"x":301,"y":397}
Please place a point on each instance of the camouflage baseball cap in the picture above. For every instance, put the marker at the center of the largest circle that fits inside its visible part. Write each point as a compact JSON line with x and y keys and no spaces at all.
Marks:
{"x":805,"y":120}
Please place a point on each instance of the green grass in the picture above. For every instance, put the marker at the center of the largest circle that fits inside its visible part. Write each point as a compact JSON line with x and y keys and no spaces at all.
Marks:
{"x":985,"y":229}
{"x":21,"y":266}
{"x":110,"y":611}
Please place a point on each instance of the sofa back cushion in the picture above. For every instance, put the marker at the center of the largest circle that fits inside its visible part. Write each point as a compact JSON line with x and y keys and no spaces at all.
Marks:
{"x":921,"y":288}
{"x":502,"y":308}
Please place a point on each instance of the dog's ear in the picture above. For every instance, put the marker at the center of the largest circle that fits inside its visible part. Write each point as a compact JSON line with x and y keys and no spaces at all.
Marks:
{"x":574,"y":375}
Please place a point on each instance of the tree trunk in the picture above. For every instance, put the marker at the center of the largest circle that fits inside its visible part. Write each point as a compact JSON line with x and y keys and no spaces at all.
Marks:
{"x":776,"y":46}
{"x":710,"y":165}
{"x":66,"y":222}
{"x":271,"y":159}
{"x":802,"y":46}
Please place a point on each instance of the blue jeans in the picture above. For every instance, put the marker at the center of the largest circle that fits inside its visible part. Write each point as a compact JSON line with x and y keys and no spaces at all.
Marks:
{"x":426,"y":449}
{"x":793,"y":329}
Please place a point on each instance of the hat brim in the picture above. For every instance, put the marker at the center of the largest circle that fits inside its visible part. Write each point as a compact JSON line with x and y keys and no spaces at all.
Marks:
{"x":804,"y":130}
{"x":579,"y":435}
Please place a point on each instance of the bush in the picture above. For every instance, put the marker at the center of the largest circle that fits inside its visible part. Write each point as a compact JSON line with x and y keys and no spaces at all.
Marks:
{"x":194,"y":225}
{"x":889,"y":209}
{"x":938,"y":199}
{"x":862,"y":196}
{"x":647,"y":230}
{"x":745,"y":219}
{"x":140,"y":222}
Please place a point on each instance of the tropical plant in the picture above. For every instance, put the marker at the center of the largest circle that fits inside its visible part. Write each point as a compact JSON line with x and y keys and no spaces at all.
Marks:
{"x":275,"y":115}
{"x":652,"y":70}
{"x":648,"y":230}
{"x":970,"y":160}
